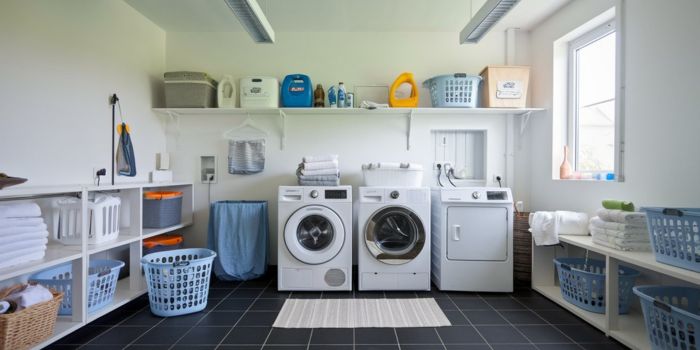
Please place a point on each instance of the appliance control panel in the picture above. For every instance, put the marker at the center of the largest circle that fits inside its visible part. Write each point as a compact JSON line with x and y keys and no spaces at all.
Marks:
{"x":315,"y":194}
{"x":476,"y":195}
{"x":396,"y":195}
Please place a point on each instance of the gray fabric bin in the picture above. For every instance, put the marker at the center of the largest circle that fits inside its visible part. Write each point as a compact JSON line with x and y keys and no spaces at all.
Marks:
{"x":159,"y":213}
{"x":189,"y":90}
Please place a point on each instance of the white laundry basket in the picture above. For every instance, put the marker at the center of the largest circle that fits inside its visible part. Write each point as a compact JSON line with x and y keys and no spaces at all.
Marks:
{"x":405,"y":177}
{"x":103,"y":220}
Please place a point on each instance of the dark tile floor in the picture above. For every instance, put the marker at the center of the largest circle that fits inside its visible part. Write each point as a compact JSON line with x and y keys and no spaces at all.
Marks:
{"x":240,"y":316}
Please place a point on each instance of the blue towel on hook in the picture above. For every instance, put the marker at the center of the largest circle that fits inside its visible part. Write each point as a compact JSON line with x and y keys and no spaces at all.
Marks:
{"x":238,"y":233}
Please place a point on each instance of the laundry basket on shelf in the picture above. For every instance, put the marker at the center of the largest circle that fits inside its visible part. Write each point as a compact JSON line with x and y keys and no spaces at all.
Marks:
{"x":582,"y":283}
{"x":101,"y":283}
{"x":675,"y":236}
{"x":161,"y":209}
{"x":671,"y":315}
{"x":454,"y":90}
{"x":28,"y":327}
{"x":103,"y":220}
{"x":178,"y":280}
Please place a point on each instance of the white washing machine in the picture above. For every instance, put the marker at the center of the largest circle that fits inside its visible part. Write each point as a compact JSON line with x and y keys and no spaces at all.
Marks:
{"x":393,"y":251}
{"x":472,"y":231}
{"x":314,"y":246}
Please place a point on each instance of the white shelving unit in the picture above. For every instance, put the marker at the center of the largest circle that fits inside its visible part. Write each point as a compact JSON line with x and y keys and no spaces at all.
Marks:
{"x":409,"y":113}
{"x":628,"y":329}
{"x":131,"y":235}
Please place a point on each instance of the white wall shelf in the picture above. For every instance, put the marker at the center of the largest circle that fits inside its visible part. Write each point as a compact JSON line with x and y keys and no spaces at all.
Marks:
{"x":409,"y":113}
{"x":628,"y":329}
{"x":130,"y":237}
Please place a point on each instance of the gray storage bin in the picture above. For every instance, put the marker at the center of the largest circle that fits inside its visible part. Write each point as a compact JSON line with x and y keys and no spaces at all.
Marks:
{"x":189,"y":90}
{"x":159,"y":213}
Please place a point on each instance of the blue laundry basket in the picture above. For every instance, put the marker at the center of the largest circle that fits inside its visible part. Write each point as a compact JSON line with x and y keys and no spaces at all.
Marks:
{"x":675,"y":236}
{"x":178,"y":280}
{"x":238,"y":233}
{"x":102,"y":283}
{"x":671,"y":315}
{"x":582,"y":283}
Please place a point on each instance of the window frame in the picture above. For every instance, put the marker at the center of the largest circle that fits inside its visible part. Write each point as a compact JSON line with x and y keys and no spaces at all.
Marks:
{"x":574,"y":45}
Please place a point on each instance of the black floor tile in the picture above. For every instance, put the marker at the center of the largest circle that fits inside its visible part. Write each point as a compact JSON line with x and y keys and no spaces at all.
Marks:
{"x":162,"y":335}
{"x":257,"y":283}
{"x":539,"y":303}
{"x":267,"y":305}
{"x":514,"y":347}
{"x":219,"y":293}
{"x":446,"y":304}
{"x":456,"y":318}
{"x":559,"y":317}
{"x":103,"y":347}
{"x":247,"y":336}
{"x":417,"y":336}
{"x":505,"y":303}
{"x":376,"y":347}
{"x":272,"y":292}
{"x":375,"y":336}
{"x":613,"y":345}
{"x":234,"y":304}
{"x":119,"y":335}
{"x":330,"y":347}
{"x":220,"y":318}
{"x":422,"y":347}
{"x":246,"y":293}
{"x":183,"y":320}
{"x":289,"y":336}
{"x":369,"y":294}
{"x":306,"y":295}
{"x":148,"y":347}
{"x":467,"y":347}
{"x":284,"y":347}
{"x":471,"y":303}
{"x":522,"y":317}
{"x":113,"y":318}
{"x":544,"y":334}
{"x":239,"y":347}
{"x":337,"y":295}
{"x":55,"y":346}
{"x":400,"y":294}
{"x":204,"y":335}
{"x":484,"y":317}
{"x":501,"y":334}
{"x":457,"y":295}
{"x":83,"y":335}
{"x":459,"y":335}
{"x":332,"y":336}
{"x":142,"y":318}
{"x":193,"y":347}
{"x":258,"y":318}
{"x":583,"y":333}
{"x":559,"y":346}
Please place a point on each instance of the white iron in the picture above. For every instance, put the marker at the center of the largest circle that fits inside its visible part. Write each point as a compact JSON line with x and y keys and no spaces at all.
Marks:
{"x":226,"y":93}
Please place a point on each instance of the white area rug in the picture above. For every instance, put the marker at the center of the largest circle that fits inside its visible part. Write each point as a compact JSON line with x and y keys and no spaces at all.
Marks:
{"x":360,"y":313}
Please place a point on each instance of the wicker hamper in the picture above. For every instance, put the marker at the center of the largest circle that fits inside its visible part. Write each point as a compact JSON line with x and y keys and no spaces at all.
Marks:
{"x":29,"y":327}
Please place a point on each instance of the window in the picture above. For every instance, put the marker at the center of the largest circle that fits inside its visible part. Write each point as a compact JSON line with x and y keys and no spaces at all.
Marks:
{"x":591,"y":100}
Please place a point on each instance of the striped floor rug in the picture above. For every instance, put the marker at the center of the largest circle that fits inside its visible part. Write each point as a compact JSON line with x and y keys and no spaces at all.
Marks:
{"x":360,"y":313}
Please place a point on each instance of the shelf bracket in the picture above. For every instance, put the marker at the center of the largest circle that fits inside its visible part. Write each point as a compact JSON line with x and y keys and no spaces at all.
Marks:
{"x":283,"y":137}
{"x":409,"y":120}
{"x":524,"y":121}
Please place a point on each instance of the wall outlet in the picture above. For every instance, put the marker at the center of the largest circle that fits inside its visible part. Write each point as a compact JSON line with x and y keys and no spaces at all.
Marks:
{"x":442,"y":164}
{"x":495,"y":178}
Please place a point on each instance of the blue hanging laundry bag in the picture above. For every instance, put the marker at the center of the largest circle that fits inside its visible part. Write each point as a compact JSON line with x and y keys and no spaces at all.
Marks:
{"x":238,"y":233}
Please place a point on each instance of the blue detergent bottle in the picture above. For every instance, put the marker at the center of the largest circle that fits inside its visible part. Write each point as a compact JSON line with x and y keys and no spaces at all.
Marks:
{"x":342,"y":95}
{"x":331,"y":97}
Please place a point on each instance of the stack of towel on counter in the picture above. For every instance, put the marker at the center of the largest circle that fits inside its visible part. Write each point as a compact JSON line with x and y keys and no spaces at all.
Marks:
{"x":621,"y":230}
{"x":546,"y":226}
{"x":319,"y":171}
{"x":23,"y":234}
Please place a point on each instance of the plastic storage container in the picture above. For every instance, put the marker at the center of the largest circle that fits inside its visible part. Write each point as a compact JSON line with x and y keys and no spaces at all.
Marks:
{"x":162,"y":243}
{"x":178,"y":280}
{"x":671,"y":316}
{"x":378,"y":177}
{"x":101,"y":282}
{"x":675,"y":236}
{"x":454,"y":90}
{"x":297,"y":91}
{"x":161,"y":209}
{"x":259,"y":92}
{"x":103,"y":214}
{"x":505,"y":86}
{"x":189,"y":90}
{"x":582,"y":283}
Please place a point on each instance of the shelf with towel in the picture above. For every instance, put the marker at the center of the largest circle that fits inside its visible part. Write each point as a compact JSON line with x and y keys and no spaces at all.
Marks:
{"x":56,"y":254}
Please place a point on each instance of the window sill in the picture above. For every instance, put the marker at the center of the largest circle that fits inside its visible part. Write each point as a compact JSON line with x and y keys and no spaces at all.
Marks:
{"x":587,"y":180}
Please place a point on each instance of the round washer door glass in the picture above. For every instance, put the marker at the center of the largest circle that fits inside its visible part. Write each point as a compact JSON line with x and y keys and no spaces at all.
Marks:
{"x":314,"y":234}
{"x":394,"y":235}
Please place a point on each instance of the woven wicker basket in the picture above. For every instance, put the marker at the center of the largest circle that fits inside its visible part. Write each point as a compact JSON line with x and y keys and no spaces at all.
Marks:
{"x":28,"y":327}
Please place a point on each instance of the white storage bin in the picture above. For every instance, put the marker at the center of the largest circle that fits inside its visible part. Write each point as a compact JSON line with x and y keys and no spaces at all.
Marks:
{"x":404,"y":177}
{"x":103,"y":220}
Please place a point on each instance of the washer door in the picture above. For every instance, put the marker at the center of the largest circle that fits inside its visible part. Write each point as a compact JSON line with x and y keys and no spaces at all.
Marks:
{"x":394,"y":235}
{"x":314,"y":234}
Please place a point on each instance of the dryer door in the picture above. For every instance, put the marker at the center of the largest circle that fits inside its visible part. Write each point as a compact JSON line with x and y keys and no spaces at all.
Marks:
{"x":477,"y":233}
{"x":394,"y":235}
{"x":314,"y":234}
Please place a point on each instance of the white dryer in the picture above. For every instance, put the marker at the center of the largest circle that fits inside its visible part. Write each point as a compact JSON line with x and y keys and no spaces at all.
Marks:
{"x":472,"y":230}
{"x":314,"y":246}
{"x":393,"y":251}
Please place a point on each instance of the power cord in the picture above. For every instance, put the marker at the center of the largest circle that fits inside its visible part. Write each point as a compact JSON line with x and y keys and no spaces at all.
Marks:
{"x":211,"y":178}
{"x":447,"y":174}
{"x":439,"y":173}
{"x":498,"y":178}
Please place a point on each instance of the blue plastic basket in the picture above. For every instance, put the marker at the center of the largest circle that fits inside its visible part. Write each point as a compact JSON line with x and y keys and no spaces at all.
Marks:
{"x":178,"y":280}
{"x":453,"y":90}
{"x":102,"y":282}
{"x":675,"y":236}
{"x":582,"y":283}
{"x":671,"y":315}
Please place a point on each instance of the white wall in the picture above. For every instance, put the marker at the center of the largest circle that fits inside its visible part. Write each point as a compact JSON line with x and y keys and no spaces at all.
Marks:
{"x":60,"y":62}
{"x":355,"y":58}
{"x":662,"y":124}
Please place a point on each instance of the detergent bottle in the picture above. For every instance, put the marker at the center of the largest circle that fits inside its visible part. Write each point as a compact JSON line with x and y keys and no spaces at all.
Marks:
{"x":342,"y":95}
{"x":332,"y":98}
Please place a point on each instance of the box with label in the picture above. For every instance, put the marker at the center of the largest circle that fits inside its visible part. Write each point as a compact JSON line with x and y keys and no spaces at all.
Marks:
{"x":505,"y":86}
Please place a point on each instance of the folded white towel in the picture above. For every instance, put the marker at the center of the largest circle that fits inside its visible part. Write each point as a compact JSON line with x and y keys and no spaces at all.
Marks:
{"x":629,"y":247}
{"x":20,"y":252}
{"x":13,"y":231}
{"x":9,"y":239}
{"x":333,"y":177}
{"x":321,"y":158}
{"x":30,"y":243}
{"x":20,"y":210}
{"x":544,"y":228}
{"x":599,"y":223}
{"x":637,"y":235}
{"x":16,"y":222}
{"x":22,"y":259}
{"x":331,"y":164}
{"x":335,"y":172}
{"x":30,"y":295}
{"x":572,"y":223}
{"x":622,"y":217}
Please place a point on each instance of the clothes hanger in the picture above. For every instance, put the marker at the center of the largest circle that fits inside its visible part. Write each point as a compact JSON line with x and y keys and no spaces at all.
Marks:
{"x":245,"y":129}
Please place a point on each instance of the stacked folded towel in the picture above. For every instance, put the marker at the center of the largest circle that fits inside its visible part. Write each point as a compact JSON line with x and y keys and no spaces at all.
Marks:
{"x":546,"y":226}
{"x":23,"y":234}
{"x":621,"y":230}
{"x":319,"y":171}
